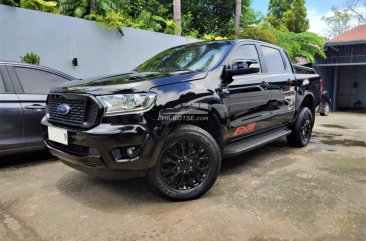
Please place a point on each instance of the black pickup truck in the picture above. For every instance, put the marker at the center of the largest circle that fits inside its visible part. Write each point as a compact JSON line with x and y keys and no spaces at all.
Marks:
{"x":176,"y":116}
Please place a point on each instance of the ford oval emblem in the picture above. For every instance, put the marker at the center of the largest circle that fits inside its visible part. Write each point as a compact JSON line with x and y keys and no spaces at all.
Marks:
{"x":63,"y":109}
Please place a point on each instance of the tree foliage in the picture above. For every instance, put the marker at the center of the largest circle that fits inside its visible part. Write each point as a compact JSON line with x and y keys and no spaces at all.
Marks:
{"x":41,"y":5}
{"x":213,"y":37}
{"x":338,"y":22}
{"x":134,"y":8}
{"x":215,"y":16}
{"x":358,"y":9}
{"x":14,"y":3}
{"x":147,"y":20}
{"x":30,"y":58}
{"x":82,"y":8}
{"x":287,"y":21}
{"x":305,"y":44}
{"x":73,"y":8}
{"x":258,"y":33}
{"x":344,"y":19}
{"x":151,"y":15}
{"x":250,"y":17}
{"x":288,"y":15}
{"x":112,"y":20}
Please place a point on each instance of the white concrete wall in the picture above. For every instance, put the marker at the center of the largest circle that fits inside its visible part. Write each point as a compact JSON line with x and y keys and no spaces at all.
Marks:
{"x":58,"y":39}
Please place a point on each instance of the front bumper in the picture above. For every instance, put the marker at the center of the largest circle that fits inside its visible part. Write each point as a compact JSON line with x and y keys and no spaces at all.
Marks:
{"x":102,"y":151}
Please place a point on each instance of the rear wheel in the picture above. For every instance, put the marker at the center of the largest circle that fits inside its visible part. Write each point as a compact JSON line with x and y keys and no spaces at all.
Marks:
{"x":188,"y":165}
{"x":301,"y":129}
{"x":326,"y":109}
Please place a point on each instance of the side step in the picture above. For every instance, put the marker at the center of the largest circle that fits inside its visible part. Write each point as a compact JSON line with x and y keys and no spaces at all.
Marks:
{"x":251,"y":143}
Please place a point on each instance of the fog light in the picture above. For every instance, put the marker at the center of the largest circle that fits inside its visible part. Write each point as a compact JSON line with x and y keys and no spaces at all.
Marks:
{"x":123,"y":153}
{"x":131,"y":152}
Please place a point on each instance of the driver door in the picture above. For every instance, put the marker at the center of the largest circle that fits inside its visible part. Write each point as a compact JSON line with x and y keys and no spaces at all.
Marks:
{"x":249,"y":97}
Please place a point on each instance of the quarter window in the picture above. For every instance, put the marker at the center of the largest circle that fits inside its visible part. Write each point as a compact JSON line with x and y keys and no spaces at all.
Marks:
{"x":36,"y":81}
{"x":273,"y":59}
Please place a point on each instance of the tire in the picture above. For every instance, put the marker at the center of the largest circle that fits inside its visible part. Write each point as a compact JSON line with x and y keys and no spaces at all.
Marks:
{"x":326,"y":109}
{"x":317,"y":109}
{"x":301,"y":128}
{"x":188,"y":166}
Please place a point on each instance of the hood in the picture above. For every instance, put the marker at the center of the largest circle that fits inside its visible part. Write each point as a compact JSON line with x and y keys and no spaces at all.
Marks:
{"x":132,"y":82}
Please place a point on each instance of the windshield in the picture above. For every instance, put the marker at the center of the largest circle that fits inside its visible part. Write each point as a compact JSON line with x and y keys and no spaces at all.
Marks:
{"x":192,"y":57}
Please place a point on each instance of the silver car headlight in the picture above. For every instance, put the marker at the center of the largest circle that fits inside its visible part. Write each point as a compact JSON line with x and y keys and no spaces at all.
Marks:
{"x":127,"y":103}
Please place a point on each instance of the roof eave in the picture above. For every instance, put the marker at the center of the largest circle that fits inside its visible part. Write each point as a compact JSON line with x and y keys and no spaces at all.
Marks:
{"x":340,"y":43}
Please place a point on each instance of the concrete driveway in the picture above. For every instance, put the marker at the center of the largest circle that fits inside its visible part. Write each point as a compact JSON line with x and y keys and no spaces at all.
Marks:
{"x":272,"y":193}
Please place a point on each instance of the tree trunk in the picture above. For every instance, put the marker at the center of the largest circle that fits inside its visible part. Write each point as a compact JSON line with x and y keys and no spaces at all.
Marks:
{"x":237,"y":18}
{"x":177,"y":15}
{"x":91,"y":6}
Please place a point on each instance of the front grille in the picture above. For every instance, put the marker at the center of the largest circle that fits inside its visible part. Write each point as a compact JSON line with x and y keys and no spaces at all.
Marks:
{"x":83,"y":112}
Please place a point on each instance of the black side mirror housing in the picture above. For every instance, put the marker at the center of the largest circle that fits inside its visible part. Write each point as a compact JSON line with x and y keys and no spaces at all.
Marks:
{"x":242,"y":66}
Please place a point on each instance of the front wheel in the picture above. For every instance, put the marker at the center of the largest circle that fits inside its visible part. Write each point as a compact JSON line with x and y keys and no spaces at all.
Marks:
{"x":188,"y":166}
{"x":301,"y":129}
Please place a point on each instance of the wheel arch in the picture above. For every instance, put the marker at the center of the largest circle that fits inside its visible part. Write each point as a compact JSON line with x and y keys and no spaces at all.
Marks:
{"x":212,"y":124}
{"x":307,"y":100}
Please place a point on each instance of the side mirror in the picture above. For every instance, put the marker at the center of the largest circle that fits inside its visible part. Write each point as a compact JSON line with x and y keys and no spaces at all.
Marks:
{"x":243,"y":66}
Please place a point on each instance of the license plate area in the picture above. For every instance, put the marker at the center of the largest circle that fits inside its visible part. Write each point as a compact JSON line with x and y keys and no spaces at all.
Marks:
{"x":58,"y":135}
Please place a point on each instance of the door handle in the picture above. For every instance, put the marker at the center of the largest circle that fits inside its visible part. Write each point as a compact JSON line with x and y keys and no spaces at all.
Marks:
{"x":225,"y":91}
{"x":35,"y":107}
{"x":264,"y":84}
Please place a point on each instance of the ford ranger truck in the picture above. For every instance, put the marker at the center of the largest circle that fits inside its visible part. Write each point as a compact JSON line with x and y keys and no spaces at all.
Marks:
{"x":175,"y":117}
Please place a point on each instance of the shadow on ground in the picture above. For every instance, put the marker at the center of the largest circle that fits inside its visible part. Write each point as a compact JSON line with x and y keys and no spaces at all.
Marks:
{"x":136,"y":193}
{"x":251,"y":158}
{"x":25,"y":159}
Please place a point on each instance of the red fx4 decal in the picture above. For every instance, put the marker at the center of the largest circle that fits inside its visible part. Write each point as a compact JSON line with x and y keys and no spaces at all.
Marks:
{"x":244,"y":129}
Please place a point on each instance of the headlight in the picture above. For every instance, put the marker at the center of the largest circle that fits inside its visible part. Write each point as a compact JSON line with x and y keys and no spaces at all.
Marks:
{"x":127,"y":103}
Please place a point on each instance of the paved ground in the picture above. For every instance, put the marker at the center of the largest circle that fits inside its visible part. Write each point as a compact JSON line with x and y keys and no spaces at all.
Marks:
{"x":274,"y":193}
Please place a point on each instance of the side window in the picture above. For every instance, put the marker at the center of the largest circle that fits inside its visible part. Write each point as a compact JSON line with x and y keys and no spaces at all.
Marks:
{"x":36,"y":81}
{"x":273,"y":59}
{"x":2,"y":86}
{"x":247,"y":51}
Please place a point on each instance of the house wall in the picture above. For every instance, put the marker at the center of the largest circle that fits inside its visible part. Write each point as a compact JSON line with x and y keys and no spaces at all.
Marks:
{"x":347,"y":93}
{"x":58,"y":39}
{"x":327,"y":75}
{"x":346,"y":63}
{"x":352,"y":87}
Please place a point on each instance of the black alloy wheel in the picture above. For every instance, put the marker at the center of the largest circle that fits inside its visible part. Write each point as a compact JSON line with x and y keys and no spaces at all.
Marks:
{"x":184,"y":165}
{"x":306,"y":127}
{"x":188,"y":165}
{"x":301,"y":128}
